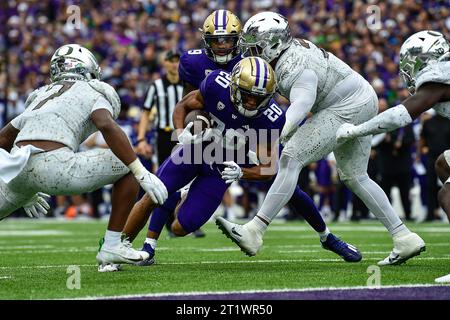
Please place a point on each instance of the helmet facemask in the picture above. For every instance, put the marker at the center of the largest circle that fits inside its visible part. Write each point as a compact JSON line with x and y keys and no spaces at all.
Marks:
{"x":221,"y":48}
{"x":253,"y":84}
{"x":248,"y":103}
{"x":220,"y":35}
{"x":74,"y":62}
{"x":265,"y":35}
{"x":420,"y":50}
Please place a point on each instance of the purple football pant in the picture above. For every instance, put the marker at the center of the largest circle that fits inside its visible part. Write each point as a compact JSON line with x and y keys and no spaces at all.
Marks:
{"x":204,"y":196}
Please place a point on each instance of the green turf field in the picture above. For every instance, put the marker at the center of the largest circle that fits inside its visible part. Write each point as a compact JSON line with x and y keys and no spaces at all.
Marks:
{"x":35,"y":256}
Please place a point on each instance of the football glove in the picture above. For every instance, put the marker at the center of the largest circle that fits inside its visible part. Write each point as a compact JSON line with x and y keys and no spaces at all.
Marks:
{"x":232,"y":172}
{"x":186,"y":137}
{"x":37,"y":205}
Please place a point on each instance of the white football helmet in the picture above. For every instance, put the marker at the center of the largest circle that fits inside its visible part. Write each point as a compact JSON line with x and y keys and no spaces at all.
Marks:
{"x":265,"y":35}
{"x":73,"y":61}
{"x":418,"y":51}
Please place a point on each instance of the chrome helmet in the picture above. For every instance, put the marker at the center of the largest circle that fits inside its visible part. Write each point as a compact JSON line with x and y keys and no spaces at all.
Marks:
{"x":73,"y":61}
{"x":418,"y":51}
{"x":220,"y":35}
{"x":253,"y":83}
{"x":265,"y":35}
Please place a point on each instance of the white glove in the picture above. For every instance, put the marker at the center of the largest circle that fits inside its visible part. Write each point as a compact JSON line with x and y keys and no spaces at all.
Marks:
{"x":186,"y":137}
{"x":232,"y":172}
{"x":149,"y":182}
{"x":288,"y":131}
{"x":345,"y":132}
{"x":153,"y":186}
{"x":37,"y":205}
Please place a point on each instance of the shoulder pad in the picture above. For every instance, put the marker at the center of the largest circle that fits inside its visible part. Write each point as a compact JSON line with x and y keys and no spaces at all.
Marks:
{"x":108,"y":92}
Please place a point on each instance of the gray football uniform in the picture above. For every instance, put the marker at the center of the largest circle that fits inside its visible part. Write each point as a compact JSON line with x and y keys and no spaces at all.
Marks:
{"x":343,"y":96}
{"x":436,"y":72}
{"x":61,"y":112}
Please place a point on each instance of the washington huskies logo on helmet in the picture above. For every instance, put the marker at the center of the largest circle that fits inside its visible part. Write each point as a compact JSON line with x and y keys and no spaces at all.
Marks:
{"x":73,"y":61}
{"x":265,"y":35}
{"x":253,"y":83}
{"x":220,"y":34}
{"x":420,"y":50}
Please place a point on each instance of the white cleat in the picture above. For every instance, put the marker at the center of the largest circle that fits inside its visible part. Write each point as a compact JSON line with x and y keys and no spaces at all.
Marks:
{"x":110,"y":258}
{"x":405,"y":247}
{"x":109,"y":267}
{"x":443,"y":279}
{"x":248,"y":240}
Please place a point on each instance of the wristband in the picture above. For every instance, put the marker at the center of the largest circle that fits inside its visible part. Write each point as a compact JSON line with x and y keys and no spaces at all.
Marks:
{"x":137,"y":168}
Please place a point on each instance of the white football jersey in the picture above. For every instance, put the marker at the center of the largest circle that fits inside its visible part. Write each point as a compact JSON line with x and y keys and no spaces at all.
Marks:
{"x":436,"y":72}
{"x":303,"y":54}
{"x":61,"y":111}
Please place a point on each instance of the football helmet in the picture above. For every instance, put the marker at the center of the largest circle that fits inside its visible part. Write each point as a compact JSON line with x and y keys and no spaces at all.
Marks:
{"x":253,"y":83}
{"x":418,"y":51}
{"x":265,"y":35}
{"x":73,"y":61}
{"x":220,"y":35}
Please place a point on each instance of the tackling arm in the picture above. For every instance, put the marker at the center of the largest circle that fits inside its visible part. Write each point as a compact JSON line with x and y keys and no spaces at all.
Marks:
{"x":302,"y":96}
{"x":121,"y":147}
{"x":401,"y":115}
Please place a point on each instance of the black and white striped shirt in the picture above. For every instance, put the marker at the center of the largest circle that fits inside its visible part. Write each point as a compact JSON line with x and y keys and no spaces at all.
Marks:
{"x":164,"y":96}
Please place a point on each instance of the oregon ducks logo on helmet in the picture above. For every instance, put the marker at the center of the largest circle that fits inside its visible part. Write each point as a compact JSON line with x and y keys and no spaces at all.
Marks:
{"x":253,"y":83}
{"x":220,"y":34}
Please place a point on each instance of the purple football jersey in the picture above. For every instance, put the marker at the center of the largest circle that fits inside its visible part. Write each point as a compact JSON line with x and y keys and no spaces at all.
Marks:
{"x":195,"y":66}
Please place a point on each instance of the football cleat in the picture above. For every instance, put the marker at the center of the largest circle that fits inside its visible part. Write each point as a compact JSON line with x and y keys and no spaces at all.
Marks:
{"x":405,"y":247}
{"x":151,"y":258}
{"x":347,"y":251}
{"x":199,"y":233}
{"x":248,"y":240}
{"x":443,"y":279}
{"x":110,"y":258}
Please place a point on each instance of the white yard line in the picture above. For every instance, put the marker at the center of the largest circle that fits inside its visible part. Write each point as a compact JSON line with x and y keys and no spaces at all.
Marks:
{"x":222,"y":262}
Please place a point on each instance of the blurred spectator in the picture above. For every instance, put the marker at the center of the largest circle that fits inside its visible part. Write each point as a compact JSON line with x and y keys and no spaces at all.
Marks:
{"x":395,"y":164}
{"x":128,"y":37}
{"x":435,"y":140}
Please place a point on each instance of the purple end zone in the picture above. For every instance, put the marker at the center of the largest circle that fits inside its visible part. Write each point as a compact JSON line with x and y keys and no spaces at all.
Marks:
{"x":400,"y":293}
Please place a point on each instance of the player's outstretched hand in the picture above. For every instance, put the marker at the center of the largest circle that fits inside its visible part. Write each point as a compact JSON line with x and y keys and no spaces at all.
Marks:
{"x":345,"y":132}
{"x":232,"y":172}
{"x":37,"y":205}
{"x":153,"y":186}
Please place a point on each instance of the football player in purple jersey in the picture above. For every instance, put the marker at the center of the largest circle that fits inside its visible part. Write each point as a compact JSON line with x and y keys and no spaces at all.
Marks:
{"x":241,"y":107}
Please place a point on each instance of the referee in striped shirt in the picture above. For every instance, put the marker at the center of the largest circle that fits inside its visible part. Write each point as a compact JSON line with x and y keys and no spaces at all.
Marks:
{"x":163,"y":94}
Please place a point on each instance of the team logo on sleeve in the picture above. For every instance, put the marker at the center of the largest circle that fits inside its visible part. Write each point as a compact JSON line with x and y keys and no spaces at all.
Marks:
{"x":220,"y":105}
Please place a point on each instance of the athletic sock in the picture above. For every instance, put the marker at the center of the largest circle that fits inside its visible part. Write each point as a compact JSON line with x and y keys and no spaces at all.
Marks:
{"x":112,"y":238}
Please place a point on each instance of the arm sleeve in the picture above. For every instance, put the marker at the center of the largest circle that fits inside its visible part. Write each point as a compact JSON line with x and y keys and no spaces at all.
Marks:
{"x":17,"y":122}
{"x":302,"y":96}
{"x":102,"y":103}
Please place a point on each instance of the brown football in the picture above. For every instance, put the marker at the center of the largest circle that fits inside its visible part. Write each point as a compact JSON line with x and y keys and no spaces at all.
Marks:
{"x":201,"y":120}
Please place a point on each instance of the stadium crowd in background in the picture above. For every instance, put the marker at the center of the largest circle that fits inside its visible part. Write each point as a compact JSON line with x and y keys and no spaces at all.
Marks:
{"x":131,"y":38}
